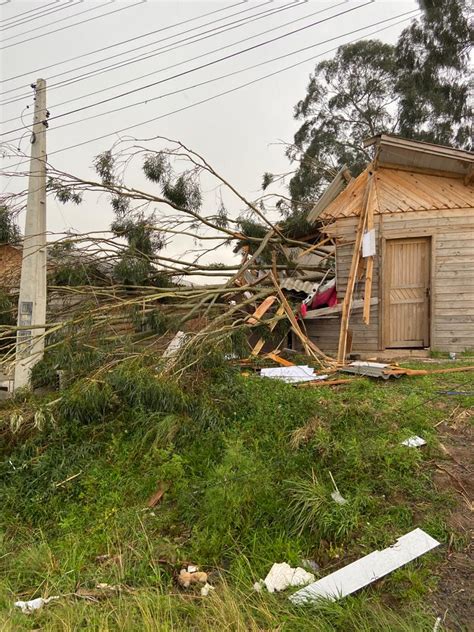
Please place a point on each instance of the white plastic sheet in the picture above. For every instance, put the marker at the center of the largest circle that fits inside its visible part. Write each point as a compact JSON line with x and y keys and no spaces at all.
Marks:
{"x":27,"y":607}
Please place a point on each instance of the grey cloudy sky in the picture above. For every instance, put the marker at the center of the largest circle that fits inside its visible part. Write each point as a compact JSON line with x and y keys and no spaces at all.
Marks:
{"x":238,"y":133}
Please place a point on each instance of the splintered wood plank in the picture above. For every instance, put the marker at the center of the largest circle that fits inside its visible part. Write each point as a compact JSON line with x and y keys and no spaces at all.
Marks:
{"x":261,"y":310}
{"x":261,"y":342}
{"x":276,"y":358}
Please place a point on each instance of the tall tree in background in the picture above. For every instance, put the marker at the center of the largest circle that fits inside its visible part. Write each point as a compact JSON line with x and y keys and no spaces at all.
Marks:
{"x":433,"y":68}
{"x":349,"y":98}
{"x":418,"y":89}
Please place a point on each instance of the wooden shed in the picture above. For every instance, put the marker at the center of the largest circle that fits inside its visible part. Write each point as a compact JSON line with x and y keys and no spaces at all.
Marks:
{"x":411,"y":213}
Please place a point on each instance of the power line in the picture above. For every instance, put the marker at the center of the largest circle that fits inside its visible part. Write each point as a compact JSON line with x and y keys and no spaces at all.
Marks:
{"x":100,"y":70}
{"x":15,"y":17}
{"x":44,"y":13}
{"x":30,"y":39}
{"x":205,"y":54}
{"x":168,"y":48}
{"x":236,"y":72}
{"x":211,"y":63}
{"x":99,"y":50}
{"x":185,"y":42}
{"x":266,"y":13}
{"x":38,"y":28}
{"x":229,"y":91}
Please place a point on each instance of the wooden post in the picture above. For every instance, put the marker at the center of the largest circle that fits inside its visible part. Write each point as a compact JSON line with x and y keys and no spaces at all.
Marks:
{"x":370,"y":260}
{"x":347,"y":303}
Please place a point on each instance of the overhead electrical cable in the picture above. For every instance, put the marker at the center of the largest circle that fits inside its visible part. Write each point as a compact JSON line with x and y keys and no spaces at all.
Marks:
{"x":213,"y":32}
{"x":194,"y":58}
{"x":225,"y":92}
{"x":50,"y":11}
{"x":131,"y":39}
{"x":216,"y":61}
{"x":68,"y":26}
{"x":125,"y":62}
{"x":410,"y":13}
{"x":18,"y":15}
{"x":246,"y":20}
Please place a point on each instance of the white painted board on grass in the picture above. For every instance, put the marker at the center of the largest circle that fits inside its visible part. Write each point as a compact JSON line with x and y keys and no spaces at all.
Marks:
{"x":292,"y":374}
{"x":368,"y":569}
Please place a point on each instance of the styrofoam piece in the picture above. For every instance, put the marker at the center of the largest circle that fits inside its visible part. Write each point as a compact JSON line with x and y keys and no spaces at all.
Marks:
{"x":414,"y":442}
{"x":27,"y":607}
{"x":292,"y":374}
{"x":368,"y":243}
{"x":281,"y":576}
{"x":206,"y":589}
{"x":175,"y":344}
{"x":368,"y":569}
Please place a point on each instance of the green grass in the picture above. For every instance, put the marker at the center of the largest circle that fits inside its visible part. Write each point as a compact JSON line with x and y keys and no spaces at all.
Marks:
{"x":248,"y":464}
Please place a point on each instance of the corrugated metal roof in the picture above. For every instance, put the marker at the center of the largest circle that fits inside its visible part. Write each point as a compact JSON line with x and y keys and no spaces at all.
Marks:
{"x":298,"y":285}
{"x":399,"y":191}
{"x":337,"y":186}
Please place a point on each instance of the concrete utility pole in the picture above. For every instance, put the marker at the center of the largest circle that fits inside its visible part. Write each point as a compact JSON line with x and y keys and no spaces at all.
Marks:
{"x":32,"y":300}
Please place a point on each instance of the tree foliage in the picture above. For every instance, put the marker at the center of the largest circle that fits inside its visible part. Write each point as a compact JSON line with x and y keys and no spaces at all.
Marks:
{"x":418,"y":89}
{"x":9,"y":231}
{"x":71,"y":267}
{"x":348,"y":99}
{"x":433,"y":75}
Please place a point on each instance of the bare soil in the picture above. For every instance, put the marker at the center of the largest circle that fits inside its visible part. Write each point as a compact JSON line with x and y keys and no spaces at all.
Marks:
{"x":453,"y":599}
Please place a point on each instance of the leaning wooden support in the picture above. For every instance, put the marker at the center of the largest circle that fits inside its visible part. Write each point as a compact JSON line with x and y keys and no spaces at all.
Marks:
{"x":308,"y":345}
{"x":346,"y":307}
{"x":370,"y":260}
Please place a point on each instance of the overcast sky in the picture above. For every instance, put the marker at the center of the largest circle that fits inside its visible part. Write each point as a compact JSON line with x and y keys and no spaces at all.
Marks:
{"x":238,"y":133}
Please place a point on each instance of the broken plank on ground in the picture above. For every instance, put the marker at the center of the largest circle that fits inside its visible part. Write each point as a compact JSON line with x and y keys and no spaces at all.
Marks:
{"x":368,"y":569}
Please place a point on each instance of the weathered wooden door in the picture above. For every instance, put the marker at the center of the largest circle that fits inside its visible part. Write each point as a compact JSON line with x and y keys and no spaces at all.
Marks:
{"x":407,"y":292}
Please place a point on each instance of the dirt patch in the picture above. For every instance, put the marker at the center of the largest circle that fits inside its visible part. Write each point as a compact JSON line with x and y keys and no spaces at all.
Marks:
{"x":455,"y":473}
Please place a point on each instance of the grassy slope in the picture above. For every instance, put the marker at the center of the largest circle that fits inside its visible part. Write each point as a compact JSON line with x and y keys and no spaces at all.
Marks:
{"x":249,"y":462}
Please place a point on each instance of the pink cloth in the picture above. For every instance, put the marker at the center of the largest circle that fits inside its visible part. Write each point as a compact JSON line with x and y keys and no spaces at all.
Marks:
{"x":327,"y":298}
